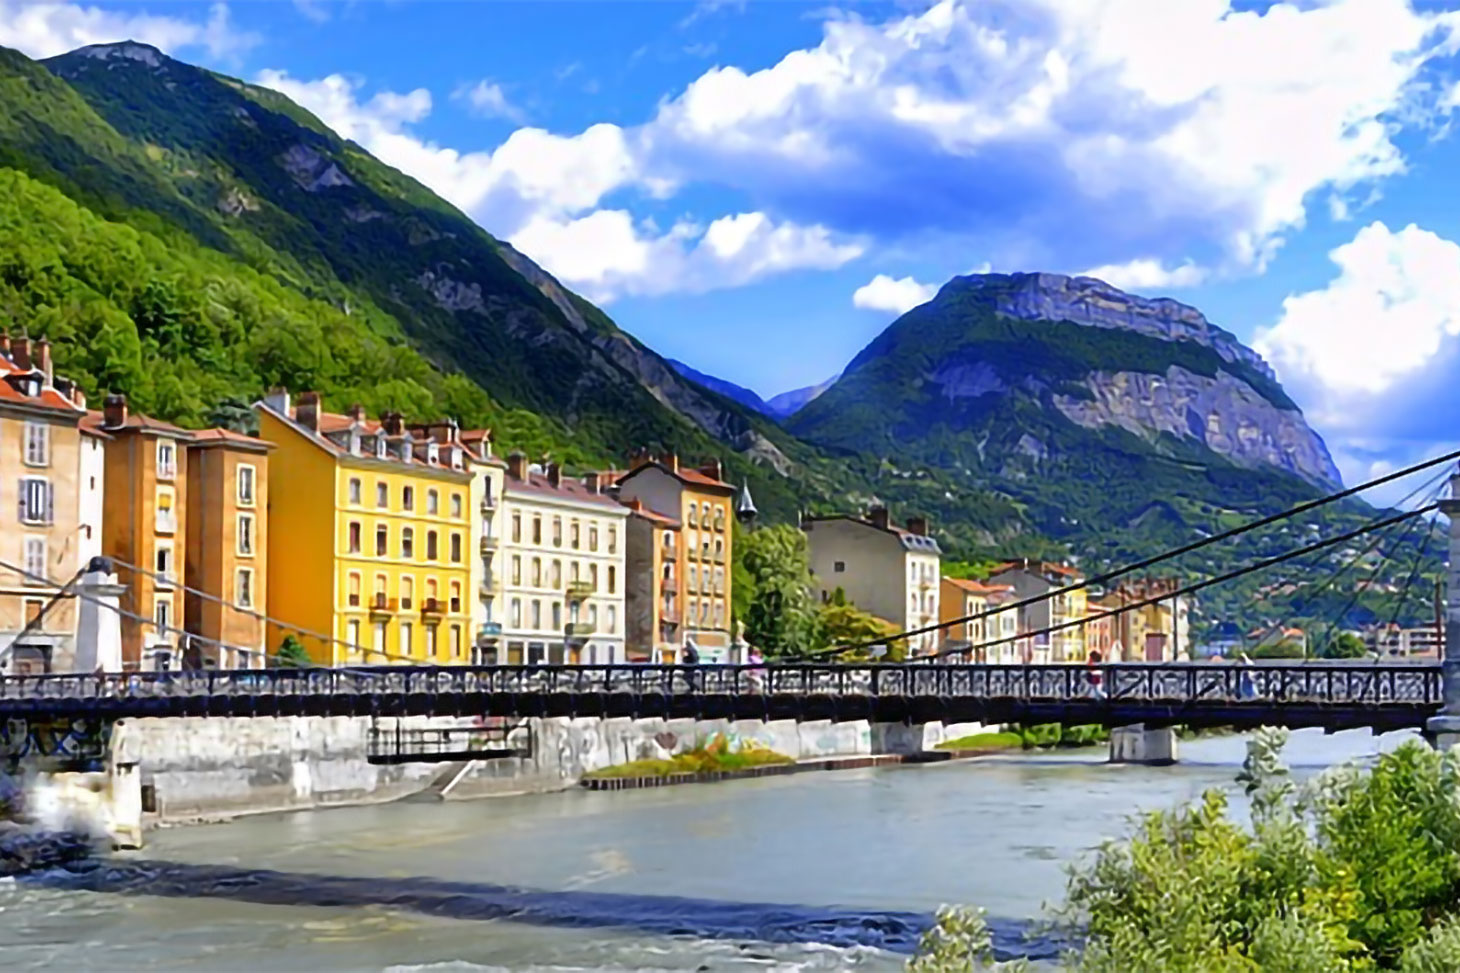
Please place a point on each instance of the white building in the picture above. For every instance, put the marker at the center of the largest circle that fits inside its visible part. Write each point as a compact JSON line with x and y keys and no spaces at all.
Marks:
{"x":561,"y":564}
{"x":891,"y":572}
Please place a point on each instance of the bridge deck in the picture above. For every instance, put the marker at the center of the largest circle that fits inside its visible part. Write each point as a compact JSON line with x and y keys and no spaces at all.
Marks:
{"x":1383,"y":697}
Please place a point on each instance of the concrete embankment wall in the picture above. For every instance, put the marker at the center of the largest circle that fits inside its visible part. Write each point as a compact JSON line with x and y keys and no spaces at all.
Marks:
{"x":204,"y":769}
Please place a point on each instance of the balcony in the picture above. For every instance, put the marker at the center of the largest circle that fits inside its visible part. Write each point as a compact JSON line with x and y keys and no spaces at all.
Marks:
{"x":668,"y":554}
{"x":488,"y":589}
{"x":489,"y":630}
{"x":487,"y":543}
{"x":489,"y":505}
{"x":433,"y":607}
{"x":579,"y":590}
{"x":669,"y":615}
{"x":580,"y":630}
{"x":382,"y":607}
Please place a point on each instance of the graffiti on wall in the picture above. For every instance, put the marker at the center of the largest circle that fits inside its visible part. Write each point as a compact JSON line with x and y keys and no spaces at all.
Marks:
{"x":78,"y":743}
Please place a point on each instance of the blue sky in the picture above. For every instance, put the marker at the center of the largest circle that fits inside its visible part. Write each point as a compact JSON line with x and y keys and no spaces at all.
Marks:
{"x":758,"y":188}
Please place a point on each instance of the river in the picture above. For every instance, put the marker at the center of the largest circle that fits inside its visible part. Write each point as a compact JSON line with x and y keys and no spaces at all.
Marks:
{"x":859,"y":856}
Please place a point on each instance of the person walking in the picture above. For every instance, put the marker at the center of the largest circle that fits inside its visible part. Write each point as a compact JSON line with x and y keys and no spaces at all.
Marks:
{"x":1094,"y":675}
{"x":757,"y":674}
{"x":1246,"y":687}
{"x":690,"y":657}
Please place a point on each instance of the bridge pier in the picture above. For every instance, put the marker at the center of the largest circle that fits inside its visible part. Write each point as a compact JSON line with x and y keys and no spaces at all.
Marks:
{"x":1443,"y":729}
{"x":1140,"y":744}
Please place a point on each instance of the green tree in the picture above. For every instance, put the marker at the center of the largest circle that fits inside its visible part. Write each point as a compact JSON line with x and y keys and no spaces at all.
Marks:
{"x":1281,"y":649}
{"x":1345,"y":645}
{"x":841,"y":623}
{"x":292,"y":654}
{"x":779,"y":618}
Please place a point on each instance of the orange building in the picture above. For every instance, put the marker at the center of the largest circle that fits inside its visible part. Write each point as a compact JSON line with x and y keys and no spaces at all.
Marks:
{"x":653,"y":593}
{"x":144,"y":528}
{"x":690,"y":603}
{"x":227,"y":547}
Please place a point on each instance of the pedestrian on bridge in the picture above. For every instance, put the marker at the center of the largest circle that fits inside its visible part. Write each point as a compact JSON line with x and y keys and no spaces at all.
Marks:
{"x":1094,"y":675}
{"x":757,"y":674}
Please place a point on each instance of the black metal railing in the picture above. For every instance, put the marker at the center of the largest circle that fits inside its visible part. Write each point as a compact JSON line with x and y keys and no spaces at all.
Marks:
{"x":1184,"y":683}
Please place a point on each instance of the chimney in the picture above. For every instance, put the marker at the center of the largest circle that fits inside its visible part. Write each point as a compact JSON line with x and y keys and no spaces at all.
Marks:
{"x":517,"y":465}
{"x":918,"y":525}
{"x":593,"y":482}
{"x":5,"y":345}
{"x":357,"y":412}
{"x":307,"y":415}
{"x":555,"y":474}
{"x":391,"y":423}
{"x":878,"y":516}
{"x":78,"y":397}
{"x":670,"y":460}
{"x":43,"y":359}
{"x":20,"y":353}
{"x":711,"y":469}
{"x":278,"y":400}
{"x":114,"y":411}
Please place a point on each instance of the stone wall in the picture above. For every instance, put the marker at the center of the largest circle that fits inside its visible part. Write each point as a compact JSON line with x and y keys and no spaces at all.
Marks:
{"x":202,"y":769}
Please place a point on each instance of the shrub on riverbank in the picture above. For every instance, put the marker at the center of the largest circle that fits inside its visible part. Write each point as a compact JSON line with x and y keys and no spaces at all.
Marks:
{"x":714,"y":756}
{"x":1356,"y":871}
{"x":984,"y":741}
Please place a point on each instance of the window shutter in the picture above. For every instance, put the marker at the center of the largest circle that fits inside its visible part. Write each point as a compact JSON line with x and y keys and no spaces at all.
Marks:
{"x":20,"y":499}
{"x":50,"y":503}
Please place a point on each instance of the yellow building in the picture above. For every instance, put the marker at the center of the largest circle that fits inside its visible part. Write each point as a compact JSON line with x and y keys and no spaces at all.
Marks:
{"x":370,"y":524}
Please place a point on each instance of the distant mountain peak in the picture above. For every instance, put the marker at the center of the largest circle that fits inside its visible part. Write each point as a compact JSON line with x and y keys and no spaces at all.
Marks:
{"x":122,"y":50}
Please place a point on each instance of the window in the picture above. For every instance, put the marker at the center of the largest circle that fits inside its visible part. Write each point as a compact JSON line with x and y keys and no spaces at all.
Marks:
{"x":536,"y":614}
{"x":166,"y":514}
{"x":516,"y":569}
{"x":433,"y":502}
{"x":455,"y":603}
{"x":35,"y":560}
{"x":162,"y":562}
{"x":557,"y":615}
{"x":574,"y":573}
{"x":243,"y":588}
{"x":36,"y":501}
{"x":719,"y":518}
{"x":557,"y":532}
{"x":537,"y":572}
{"x":557,"y":576}
{"x":380,"y":454}
{"x":352,"y":544}
{"x":719,"y":614}
{"x":612,"y":579}
{"x":408,"y":498}
{"x":456,"y":504}
{"x":839,"y":567}
{"x":166,"y":460}
{"x":382,"y":540}
{"x":517,"y":528}
{"x":719,"y":549}
{"x":408,"y":543}
{"x":593,"y":576}
{"x":431,"y":551}
{"x":516,"y":614}
{"x":430,"y":641}
{"x":37,"y":444}
{"x":593,"y":538}
{"x":456,"y":641}
{"x":162,"y":613}
{"x":352,"y":634}
{"x":405,"y":639}
{"x":455,"y":548}
{"x":353,"y":589}
{"x":407,"y":592}
{"x":355,"y":490}
{"x":593,"y":616}
{"x":431,"y":592}
{"x":536,"y":530}
{"x":694,"y":519}
{"x":573,"y":535}
{"x":612,"y":619}
{"x":245,"y":481}
{"x":245,"y":534}
{"x":613,"y":540}
{"x":380,"y":589}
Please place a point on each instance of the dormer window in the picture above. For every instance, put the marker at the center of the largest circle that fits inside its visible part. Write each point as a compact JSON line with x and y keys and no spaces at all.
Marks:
{"x":405,"y":451}
{"x":433,"y":454}
{"x":455,"y":457}
{"x":380,"y":447}
{"x":354,"y":443}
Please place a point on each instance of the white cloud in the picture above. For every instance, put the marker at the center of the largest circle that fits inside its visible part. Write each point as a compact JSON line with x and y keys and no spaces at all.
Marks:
{"x":487,"y":99}
{"x":896,"y":296}
{"x":1144,"y":274}
{"x":1371,"y":357}
{"x":1022,"y":120}
{"x":607,"y":256}
{"x":46,"y":29}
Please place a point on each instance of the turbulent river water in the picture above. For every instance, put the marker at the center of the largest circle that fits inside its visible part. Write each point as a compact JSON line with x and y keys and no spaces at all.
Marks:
{"x":832,"y":871}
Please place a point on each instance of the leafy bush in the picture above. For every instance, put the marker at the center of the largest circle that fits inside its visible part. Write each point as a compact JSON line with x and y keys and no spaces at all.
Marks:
{"x":714,"y":756}
{"x":984,"y":741}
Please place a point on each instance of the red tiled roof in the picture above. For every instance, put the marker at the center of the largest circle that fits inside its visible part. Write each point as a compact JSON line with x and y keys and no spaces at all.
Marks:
{"x":49,"y":398}
{"x":137,"y":421}
{"x":975,"y":587}
{"x":1038,"y":567}
{"x":333,"y":422}
{"x":567,"y":489}
{"x":637,"y":509}
{"x":222,"y":437}
{"x":684,"y":474}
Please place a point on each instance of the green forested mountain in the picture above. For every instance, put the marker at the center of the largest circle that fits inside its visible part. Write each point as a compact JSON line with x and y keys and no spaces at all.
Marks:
{"x":192,"y":240}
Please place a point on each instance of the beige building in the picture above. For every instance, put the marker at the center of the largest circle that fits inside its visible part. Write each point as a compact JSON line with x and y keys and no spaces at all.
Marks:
{"x":892,"y":572}
{"x":682,"y":536}
{"x":1034,"y":579}
{"x":562,"y":564}
{"x":50,"y":506}
{"x":990,"y":640}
